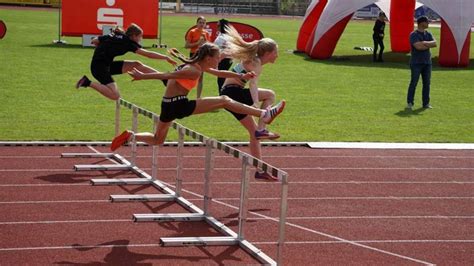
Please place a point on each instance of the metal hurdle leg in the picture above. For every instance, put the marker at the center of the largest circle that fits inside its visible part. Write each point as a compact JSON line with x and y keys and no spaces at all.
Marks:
{"x":154,"y":157}
{"x":243,"y":196}
{"x":179,"y":161}
{"x":117,"y":117}
{"x":207,"y":176}
{"x":282,"y":221}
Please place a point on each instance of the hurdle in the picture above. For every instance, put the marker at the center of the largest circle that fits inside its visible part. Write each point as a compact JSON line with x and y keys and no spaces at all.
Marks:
{"x":229,"y":238}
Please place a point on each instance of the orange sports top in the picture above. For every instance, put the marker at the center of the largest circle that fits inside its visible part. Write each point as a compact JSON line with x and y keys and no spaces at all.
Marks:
{"x":188,"y":84}
{"x":194,"y":35}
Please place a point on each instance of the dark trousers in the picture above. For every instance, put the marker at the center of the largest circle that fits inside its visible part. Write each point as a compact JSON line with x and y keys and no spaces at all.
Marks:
{"x":378,"y":42}
{"x":224,"y":64}
{"x":425,"y":71}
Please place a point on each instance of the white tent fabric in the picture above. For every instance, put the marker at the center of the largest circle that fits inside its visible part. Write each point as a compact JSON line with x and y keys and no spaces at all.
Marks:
{"x":310,"y":8}
{"x":334,"y":12}
{"x":458,"y":14}
{"x":384,"y":5}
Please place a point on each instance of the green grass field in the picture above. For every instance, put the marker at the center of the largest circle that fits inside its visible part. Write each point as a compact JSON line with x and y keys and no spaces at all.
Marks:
{"x":347,"y":98}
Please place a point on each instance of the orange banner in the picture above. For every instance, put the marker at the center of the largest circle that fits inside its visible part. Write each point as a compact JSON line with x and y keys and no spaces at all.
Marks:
{"x":88,"y":16}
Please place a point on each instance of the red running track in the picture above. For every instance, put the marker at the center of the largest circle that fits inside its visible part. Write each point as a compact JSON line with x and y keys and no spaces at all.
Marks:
{"x":346,"y":206}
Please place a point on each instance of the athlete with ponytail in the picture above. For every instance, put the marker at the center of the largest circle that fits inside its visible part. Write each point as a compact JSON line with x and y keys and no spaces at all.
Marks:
{"x":175,"y":103}
{"x":252,"y":57}
{"x":103,"y":65}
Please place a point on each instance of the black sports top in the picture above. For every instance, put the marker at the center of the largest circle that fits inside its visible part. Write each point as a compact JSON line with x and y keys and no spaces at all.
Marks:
{"x":114,"y":45}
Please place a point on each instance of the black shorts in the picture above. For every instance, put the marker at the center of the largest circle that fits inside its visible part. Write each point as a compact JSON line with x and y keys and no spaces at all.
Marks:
{"x":176,"y":107}
{"x":103,"y":71}
{"x":239,"y":94}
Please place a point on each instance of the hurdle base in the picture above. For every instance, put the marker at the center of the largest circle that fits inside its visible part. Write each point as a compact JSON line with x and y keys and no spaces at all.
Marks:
{"x":142,"y":198}
{"x":62,"y":42}
{"x":120,"y":181}
{"x":87,"y":155}
{"x":198,"y":241}
{"x":102,"y":167}
{"x":169,"y":217}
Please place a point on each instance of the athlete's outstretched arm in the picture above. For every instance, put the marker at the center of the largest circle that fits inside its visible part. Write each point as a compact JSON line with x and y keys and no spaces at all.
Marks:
{"x":155,"y":55}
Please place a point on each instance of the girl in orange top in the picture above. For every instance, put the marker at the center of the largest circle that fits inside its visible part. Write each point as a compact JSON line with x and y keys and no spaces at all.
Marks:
{"x":194,"y":39}
{"x":175,"y":103}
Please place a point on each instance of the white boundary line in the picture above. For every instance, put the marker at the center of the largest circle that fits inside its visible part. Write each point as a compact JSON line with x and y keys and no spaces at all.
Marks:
{"x":321,"y":145}
{"x":382,"y":145}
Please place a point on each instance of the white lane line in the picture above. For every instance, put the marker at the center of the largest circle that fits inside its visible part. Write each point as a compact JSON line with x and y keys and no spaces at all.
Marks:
{"x":350,"y":182}
{"x":257,"y":243}
{"x":79,"y":247}
{"x":66,"y":222}
{"x":267,"y":156}
{"x":53,"y":201}
{"x":353,"y":182}
{"x":256,"y":199}
{"x":443,"y":217}
{"x":359,"y":198}
{"x":284,"y":168}
{"x":313,"y":231}
{"x":372,"y":241}
{"x":249,"y":219}
{"x":45,"y":185}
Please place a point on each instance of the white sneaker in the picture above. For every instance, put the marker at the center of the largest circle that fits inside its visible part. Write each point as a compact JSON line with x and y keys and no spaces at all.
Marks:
{"x":409,"y":106}
{"x":273,"y":112}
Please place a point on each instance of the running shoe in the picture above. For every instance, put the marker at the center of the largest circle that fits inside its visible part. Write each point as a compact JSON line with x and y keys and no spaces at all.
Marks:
{"x":264,"y":176}
{"x":273,"y":112}
{"x":83,"y":82}
{"x":265,"y":134}
{"x":121,"y":140}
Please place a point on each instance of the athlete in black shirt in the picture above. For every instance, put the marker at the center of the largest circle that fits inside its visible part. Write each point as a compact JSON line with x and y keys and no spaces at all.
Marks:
{"x":378,"y":35}
{"x":103,"y":65}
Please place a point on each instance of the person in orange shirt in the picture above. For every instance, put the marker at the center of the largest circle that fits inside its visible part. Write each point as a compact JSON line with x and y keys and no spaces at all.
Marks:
{"x":194,"y":39}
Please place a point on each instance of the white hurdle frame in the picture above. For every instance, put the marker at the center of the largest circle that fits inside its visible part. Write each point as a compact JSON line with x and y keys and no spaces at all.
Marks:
{"x":196,"y":214}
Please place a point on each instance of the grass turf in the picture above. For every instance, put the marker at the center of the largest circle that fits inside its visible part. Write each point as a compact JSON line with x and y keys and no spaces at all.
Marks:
{"x":346,"y":98}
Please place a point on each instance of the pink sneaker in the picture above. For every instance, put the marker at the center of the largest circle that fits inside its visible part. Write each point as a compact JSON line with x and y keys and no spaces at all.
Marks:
{"x":265,"y":134}
{"x":264,"y":176}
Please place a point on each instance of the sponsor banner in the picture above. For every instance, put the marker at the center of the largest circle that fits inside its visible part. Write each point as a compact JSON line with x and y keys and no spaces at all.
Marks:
{"x":89,"y":16}
{"x":249,"y":33}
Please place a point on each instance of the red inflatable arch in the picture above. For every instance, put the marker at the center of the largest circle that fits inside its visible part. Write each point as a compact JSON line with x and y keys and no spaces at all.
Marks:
{"x":401,"y":24}
{"x":325,"y":21}
{"x":309,"y":23}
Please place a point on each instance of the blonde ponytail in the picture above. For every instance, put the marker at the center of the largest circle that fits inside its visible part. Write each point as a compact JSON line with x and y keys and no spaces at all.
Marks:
{"x":239,"y":49}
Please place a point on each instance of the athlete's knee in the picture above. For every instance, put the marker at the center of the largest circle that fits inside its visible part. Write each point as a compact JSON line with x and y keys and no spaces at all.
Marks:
{"x":225,"y":100}
{"x":271,"y":96}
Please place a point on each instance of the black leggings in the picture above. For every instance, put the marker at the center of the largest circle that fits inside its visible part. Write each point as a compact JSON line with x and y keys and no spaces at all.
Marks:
{"x":224,"y":64}
{"x":378,"y":42}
